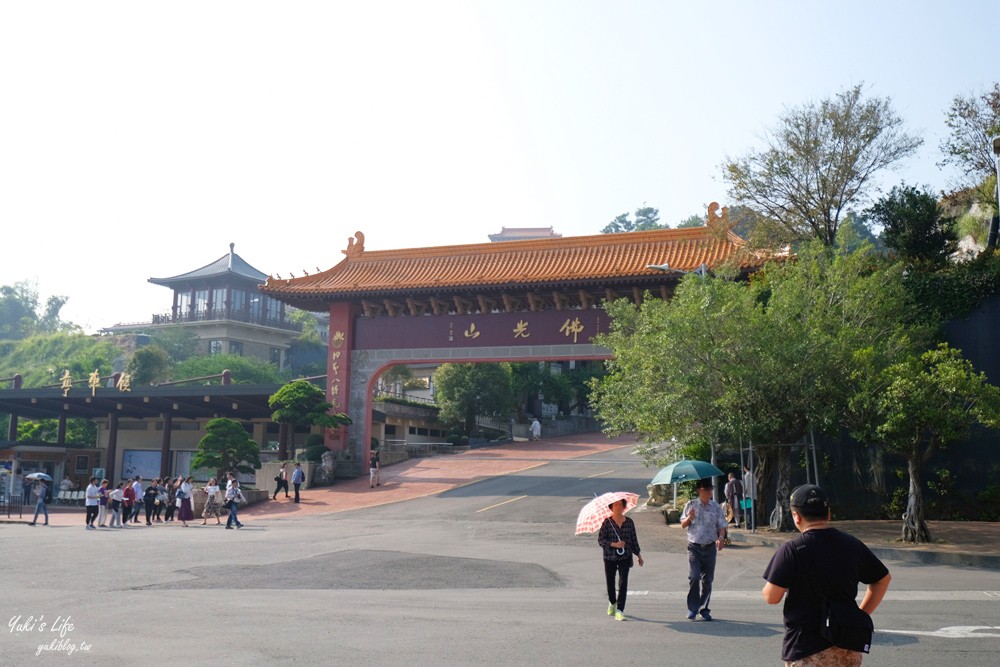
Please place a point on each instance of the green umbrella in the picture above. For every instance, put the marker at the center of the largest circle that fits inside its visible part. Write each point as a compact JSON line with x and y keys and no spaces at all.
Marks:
{"x":685,"y":471}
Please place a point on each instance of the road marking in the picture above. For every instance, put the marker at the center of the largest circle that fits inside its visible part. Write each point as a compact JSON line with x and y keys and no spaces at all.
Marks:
{"x":499,"y":504}
{"x":952,"y":632}
{"x":598,"y":474}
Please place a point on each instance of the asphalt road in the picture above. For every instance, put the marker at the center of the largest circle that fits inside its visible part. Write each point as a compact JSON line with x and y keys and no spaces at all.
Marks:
{"x":485,"y":574}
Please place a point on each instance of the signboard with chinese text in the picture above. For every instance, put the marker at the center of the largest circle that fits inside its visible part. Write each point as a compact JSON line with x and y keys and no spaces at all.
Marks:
{"x":550,"y":327}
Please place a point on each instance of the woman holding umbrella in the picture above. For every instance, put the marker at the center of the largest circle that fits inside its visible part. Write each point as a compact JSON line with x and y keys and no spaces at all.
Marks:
{"x":618,"y":539}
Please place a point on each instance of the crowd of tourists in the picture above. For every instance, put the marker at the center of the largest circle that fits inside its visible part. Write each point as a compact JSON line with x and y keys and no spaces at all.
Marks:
{"x":160,"y":501}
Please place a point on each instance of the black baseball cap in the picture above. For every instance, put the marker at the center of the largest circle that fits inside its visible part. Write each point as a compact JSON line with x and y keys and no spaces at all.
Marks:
{"x":810,"y":500}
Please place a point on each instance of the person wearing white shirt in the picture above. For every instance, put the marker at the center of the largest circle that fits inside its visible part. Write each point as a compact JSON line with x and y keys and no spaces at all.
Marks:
{"x":212,"y":506}
{"x":138,"y":504}
{"x":92,"y":496}
{"x":117,"y":495}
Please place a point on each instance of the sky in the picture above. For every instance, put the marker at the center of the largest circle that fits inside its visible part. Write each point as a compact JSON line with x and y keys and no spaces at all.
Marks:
{"x":140,"y":139}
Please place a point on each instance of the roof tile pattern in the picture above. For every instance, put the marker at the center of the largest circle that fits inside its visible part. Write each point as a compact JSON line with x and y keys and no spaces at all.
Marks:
{"x":227,"y":264}
{"x":517,"y":263}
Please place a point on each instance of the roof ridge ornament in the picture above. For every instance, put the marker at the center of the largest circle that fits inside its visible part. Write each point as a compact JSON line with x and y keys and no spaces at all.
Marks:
{"x":718,"y":223}
{"x":355,"y":249}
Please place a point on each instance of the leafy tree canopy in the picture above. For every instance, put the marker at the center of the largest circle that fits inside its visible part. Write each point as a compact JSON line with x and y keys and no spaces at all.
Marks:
{"x":923,"y":403}
{"x":226,"y":446}
{"x":646,"y":218}
{"x":21,"y":315}
{"x":817,"y":161}
{"x":302,"y":403}
{"x":972,"y":122}
{"x":149,"y":365}
{"x":467,"y":391}
{"x":912,"y":226}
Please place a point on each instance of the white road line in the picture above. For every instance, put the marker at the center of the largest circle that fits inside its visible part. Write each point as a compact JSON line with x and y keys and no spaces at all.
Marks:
{"x":952,"y":632}
{"x":499,"y":504}
{"x":598,"y":474}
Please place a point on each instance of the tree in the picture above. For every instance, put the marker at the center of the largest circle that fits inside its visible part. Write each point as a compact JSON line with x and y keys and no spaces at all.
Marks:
{"x":764,"y":360}
{"x":692,"y":221}
{"x":912,"y":225}
{"x":646,"y":218}
{"x":301,"y":403}
{"x":226,"y":446}
{"x":149,"y":365}
{"x":972,"y":121}
{"x":818,"y":160}
{"x":467,"y":391}
{"x":929,"y":401}
{"x":19,"y":312}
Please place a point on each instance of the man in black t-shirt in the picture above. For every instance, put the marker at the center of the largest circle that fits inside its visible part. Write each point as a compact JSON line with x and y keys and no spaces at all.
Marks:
{"x":373,"y":465}
{"x":820,"y":561}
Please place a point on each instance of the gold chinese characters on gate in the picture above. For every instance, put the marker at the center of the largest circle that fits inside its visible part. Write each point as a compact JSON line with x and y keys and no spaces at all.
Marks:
{"x":571,"y":327}
{"x":66,"y":382}
{"x":337,"y":340}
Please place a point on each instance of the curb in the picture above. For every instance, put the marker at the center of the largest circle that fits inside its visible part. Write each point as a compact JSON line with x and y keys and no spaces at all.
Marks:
{"x":989,"y":561}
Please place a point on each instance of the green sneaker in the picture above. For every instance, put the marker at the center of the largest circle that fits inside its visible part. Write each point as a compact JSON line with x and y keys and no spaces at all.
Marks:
{"x":619,"y":616}
{"x":611,"y":609}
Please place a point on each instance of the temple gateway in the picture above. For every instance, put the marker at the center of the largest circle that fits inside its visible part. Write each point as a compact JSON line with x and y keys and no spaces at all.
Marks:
{"x":538,"y":299}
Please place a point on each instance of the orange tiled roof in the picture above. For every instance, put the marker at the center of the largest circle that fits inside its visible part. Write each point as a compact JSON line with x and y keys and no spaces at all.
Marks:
{"x":599,"y":258}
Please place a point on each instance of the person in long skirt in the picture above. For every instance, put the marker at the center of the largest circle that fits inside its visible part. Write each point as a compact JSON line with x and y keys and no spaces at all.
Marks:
{"x":212,"y":506}
{"x":619,"y":541}
{"x":186,"y":513}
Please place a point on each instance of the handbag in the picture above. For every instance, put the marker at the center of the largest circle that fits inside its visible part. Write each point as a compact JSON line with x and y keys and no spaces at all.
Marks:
{"x":277,"y":478}
{"x":179,"y":501}
{"x":842,"y":622}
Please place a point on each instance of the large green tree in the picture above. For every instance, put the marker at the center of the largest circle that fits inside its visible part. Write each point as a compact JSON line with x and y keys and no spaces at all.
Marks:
{"x":913,"y":226}
{"x":818,"y":160}
{"x":467,"y":391}
{"x":226,"y":447}
{"x":923,"y":404}
{"x":764,"y":360}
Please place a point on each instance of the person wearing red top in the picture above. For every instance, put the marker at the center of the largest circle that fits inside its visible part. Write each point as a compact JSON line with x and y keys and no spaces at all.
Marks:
{"x":128,"y":501}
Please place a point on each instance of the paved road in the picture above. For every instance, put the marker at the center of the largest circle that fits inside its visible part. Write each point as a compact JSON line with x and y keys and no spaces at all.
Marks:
{"x":485,"y":574}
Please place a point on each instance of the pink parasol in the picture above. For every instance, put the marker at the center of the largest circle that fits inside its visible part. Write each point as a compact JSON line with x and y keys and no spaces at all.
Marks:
{"x":596,"y":511}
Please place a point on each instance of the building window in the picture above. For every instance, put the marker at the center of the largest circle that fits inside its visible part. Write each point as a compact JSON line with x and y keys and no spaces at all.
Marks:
{"x":273,"y":309}
{"x":183,"y":302}
{"x":235,"y":348}
{"x":276,"y":356}
{"x":219,"y":300}
{"x":255,"y":306}
{"x":215,"y":347}
{"x":239,"y":300}
{"x":201,"y":301}
{"x":390,"y":429}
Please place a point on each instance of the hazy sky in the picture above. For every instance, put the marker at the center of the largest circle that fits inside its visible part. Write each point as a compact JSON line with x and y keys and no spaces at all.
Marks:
{"x":139,"y":139}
